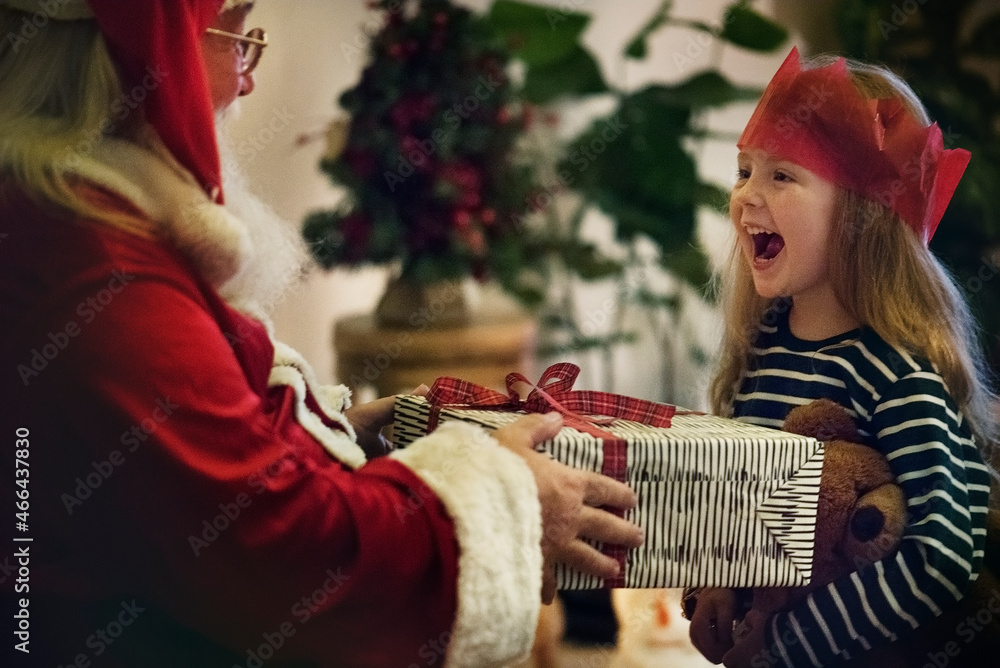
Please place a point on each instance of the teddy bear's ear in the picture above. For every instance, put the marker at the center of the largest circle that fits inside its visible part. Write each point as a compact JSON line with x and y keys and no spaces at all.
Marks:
{"x":824,"y":420}
{"x":876,"y":525}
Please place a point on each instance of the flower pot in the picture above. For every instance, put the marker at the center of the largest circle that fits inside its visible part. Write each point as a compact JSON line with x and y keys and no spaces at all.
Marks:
{"x":411,"y":305}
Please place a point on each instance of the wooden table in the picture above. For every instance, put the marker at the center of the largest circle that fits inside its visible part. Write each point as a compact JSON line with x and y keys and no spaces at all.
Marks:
{"x":392,"y":360}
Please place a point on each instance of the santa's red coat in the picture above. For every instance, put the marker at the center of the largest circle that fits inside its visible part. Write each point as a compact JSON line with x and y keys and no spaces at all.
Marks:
{"x":196,"y":499}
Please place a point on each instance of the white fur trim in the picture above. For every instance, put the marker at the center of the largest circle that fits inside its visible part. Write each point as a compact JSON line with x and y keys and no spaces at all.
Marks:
{"x":491,"y":496}
{"x":339,"y":444}
{"x":291,"y":369}
{"x":217,"y":242}
{"x":333,"y":399}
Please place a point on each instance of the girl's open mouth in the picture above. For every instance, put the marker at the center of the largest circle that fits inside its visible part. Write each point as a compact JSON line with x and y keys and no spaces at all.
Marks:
{"x":766,"y":245}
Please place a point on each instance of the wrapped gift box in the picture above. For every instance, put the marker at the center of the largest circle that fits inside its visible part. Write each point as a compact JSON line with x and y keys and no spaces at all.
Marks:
{"x":722,"y":503}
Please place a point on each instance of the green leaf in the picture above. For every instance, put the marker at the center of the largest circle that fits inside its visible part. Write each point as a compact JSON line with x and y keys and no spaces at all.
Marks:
{"x":712,"y":196}
{"x":751,"y":30}
{"x":690,"y":265}
{"x":587,"y":262}
{"x":633,"y":166}
{"x":584,"y":343}
{"x":651,"y":299}
{"x":636,"y":47}
{"x":537,"y":35}
{"x":324,"y":242}
{"x":986,"y":39}
{"x":705,"y":89}
{"x":577,"y":74}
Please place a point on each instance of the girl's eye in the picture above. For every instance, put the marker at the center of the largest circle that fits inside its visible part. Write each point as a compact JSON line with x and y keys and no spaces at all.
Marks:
{"x":742,"y":174}
{"x":781,"y":176}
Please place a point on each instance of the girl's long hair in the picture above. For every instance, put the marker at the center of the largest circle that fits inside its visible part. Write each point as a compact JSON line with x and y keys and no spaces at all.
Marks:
{"x":886,"y":279}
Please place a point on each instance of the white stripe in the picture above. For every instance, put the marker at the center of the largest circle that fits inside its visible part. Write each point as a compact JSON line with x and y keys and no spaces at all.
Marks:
{"x":902,"y":401}
{"x":909,"y":360}
{"x":905,"y":570}
{"x":927,"y":472}
{"x":805,"y":643}
{"x":784,"y":398}
{"x":846,"y":618}
{"x":919,"y":500}
{"x":891,"y":599}
{"x":866,"y":606}
{"x":962,"y":443}
{"x":941,"y":519}
{"x":820,"y":356}
{"x":927,"y":398}
{"x":943,"y":549}
{"x":876,"y":362}
{"x":910,"y":424}
{"x":921,"y":448}
{"x":797,"y":375}
{"x":777,"y":641}
{"x":822,"y":624}
{"x":942,"y":580}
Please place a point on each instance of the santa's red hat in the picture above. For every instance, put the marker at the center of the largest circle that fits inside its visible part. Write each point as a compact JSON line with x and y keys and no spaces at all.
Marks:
{"x":158,"y":40}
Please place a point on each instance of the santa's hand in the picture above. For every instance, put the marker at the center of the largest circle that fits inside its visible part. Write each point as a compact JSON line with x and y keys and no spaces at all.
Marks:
{"x":369,"y":419}
{"x":749,"y":650}
{"x":570,"y":501}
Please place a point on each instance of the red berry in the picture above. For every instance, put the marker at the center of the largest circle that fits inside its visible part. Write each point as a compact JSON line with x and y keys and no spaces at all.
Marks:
{"x":462,"y":219}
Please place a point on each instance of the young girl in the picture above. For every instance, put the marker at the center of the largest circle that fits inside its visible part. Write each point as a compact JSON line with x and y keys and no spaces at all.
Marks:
{"x":833,"y":293}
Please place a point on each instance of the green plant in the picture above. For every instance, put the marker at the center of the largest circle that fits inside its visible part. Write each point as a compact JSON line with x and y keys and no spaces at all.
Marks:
{"x":636,"y":163}
{"x":949,"y":52}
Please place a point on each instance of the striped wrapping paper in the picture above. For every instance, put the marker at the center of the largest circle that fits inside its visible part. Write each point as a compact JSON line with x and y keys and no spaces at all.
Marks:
{"x":722,"y":503}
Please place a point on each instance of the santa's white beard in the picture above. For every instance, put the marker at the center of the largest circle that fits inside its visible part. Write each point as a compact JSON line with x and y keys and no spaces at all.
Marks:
{"x":279,"y":259}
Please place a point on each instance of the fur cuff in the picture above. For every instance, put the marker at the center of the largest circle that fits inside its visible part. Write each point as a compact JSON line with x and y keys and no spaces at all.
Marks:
{"x":491,"y":496}
{"x":291,"y":369}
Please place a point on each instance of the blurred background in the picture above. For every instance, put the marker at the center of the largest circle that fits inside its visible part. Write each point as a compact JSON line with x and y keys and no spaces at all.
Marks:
{"x":319,"y":48}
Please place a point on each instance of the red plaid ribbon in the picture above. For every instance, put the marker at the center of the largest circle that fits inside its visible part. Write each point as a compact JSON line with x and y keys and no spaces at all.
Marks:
{"x":553,"y":392}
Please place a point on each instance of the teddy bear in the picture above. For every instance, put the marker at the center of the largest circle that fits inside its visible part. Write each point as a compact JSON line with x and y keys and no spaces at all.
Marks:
{"x":861,"y":512}
{"x":861,"y":518}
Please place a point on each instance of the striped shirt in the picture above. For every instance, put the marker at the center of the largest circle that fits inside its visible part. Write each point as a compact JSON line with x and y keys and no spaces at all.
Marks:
{"x":903,"y":408}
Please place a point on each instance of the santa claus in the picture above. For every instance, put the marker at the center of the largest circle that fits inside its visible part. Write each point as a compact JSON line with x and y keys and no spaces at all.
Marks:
{"x":188,"y":494}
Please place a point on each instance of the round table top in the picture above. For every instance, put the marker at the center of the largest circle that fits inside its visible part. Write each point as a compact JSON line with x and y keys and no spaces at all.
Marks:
{"x":485,"y":335}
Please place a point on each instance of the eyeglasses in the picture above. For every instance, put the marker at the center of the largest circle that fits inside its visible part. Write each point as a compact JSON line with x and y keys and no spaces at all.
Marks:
{"x":251,"y":46}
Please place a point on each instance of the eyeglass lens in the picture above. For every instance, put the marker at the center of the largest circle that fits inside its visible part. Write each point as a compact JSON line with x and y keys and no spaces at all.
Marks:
{"x":251,"y":51}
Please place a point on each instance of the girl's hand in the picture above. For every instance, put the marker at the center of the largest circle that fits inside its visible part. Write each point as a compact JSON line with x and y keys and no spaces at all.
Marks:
{"x":749,"y":651}
{"x":369,"y":419}
{"x":712,"y":625}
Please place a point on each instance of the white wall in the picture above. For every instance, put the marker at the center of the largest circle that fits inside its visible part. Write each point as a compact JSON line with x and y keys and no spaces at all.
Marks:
{"x":317,"y":50}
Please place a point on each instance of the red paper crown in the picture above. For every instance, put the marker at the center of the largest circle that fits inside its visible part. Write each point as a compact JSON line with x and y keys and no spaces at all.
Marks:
{"x":817,"y":118}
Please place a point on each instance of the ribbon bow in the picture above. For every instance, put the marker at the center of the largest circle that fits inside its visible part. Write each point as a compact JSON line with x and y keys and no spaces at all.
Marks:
{"x":583,"y":410}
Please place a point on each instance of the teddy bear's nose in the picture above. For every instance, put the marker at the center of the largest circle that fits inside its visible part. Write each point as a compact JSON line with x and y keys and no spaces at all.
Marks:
{"x":867,"y":523}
